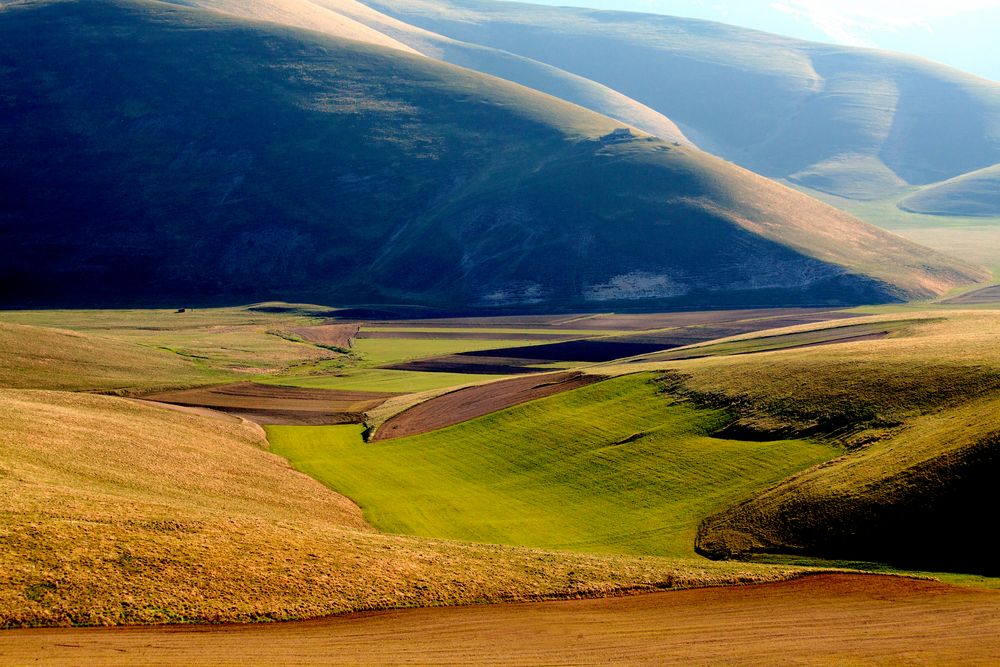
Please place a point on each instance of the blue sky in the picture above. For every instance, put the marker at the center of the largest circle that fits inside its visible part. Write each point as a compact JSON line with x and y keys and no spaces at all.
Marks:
{"x":961,"y":33}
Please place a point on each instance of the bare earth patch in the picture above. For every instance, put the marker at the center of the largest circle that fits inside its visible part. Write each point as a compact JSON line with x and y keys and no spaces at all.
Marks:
{"x":828,"y":619}
{"x":335,"y":335}
{"x":471,"y":402}
{"x":273,"y":404}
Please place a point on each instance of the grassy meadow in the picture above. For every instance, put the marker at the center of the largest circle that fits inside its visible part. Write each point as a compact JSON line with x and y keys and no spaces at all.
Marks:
{"x":615,"y":467}
{"x":116,"y":513}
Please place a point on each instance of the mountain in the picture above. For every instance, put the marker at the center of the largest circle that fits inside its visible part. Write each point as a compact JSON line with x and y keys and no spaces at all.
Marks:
{"x":347,"y":18}
{"x":859,"y":123}
{"x":155,"y":153}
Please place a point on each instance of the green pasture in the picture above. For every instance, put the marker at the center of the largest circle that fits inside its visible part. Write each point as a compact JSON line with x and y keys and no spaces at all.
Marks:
{"x":618,"y":466}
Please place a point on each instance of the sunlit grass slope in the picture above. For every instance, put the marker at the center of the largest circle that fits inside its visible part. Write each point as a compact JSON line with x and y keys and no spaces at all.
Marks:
{"x":220,"y":159}
{"x":615,"y":467}
{"x":45,"y":358}
{"x":153,"y":348}
{"x":113,"y":512}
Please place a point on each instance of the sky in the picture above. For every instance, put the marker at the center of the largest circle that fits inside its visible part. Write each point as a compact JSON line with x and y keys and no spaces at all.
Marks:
{"x":961,"y":33}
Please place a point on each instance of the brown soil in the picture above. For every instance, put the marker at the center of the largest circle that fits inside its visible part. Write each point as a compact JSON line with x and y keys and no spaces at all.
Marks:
{"x":267,"y":404}
{"x":829,"y":619}
{"x":986,"y":295}
{"x":471,"y":402}
{"x":335,"y":335}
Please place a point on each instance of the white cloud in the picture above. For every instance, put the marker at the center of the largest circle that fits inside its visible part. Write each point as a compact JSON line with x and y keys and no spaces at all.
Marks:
{"x":854,"y":21}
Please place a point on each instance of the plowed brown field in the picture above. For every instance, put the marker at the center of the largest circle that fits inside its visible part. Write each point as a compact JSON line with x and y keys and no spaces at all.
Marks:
{"x":471,"y":402}
{"x":269,"y":404}
{"x":829,"y":619}
{"x":337,"y":335}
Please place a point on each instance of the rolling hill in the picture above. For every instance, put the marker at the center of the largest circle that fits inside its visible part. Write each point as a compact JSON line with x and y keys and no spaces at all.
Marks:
{"x":915,"y":414}
{"x":121,"y":513}
{"x":855,"y":122}
{"x":157,"y":153}
{"x":973,"y":194}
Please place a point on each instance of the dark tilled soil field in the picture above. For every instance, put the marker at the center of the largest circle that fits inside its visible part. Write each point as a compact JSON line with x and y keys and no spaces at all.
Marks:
{"x":818,"y":620}
{"x":710,"y":326}
{"x":472,"y":365}
{"x":267,"y":404}
{"x":471,"y":402}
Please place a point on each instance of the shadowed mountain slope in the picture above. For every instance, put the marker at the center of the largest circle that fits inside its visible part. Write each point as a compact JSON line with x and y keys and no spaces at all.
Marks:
{"x":156,"y":153}
{"x":856,"y":122}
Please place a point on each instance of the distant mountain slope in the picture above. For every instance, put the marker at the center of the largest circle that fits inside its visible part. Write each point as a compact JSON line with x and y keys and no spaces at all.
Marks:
{"x":154,"y":153}
{"x":349,"y":18}
{"x":973,"y":194}
{"x":855,"y":122}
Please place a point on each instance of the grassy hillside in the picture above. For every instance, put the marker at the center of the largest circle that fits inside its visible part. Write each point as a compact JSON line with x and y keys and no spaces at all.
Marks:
{"x":914,"y":500}
{"x":154,"y":348}
{"x":43,"y":358}
{"x":220,"y":159}
{"x":973,"y":194}
{"x":916,"y":412}
{"x":614,"y":467}
{"x":856,"y":122}
{"x":115,"y":513}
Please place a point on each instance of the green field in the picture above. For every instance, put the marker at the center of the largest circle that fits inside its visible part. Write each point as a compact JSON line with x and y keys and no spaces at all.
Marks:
{"x":614,"y":467}
{"x":378,"y":379}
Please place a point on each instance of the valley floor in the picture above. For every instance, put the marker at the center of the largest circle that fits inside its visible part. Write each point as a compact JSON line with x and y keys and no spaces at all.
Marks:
{"x":823,"y":619}
{"x":505,"y":486}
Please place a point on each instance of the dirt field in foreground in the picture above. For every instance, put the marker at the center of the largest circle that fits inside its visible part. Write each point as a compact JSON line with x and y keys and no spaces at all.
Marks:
{"x":465,"y":404}
{"x":829,"y":619}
